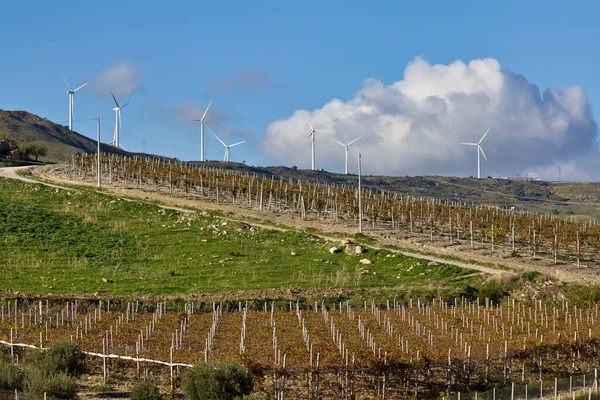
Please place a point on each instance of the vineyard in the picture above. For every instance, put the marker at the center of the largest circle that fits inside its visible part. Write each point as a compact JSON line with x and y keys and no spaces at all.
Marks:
{"x":336,"y":350}
{"x":490,"y":229}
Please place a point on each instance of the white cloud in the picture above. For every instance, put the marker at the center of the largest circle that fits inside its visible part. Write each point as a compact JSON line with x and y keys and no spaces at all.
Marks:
{"x":122,"y":79}
{"x":415,"y":125}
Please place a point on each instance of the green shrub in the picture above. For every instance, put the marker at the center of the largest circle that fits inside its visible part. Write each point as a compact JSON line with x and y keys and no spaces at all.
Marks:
{"x":217,"y":382}
{"x":145,"y":390}
{"x":56,"y":385}
{"x":62,"y":356}
{"x":11,"y":376}
{"x":531,"y":276}
{"x":492,"y":291}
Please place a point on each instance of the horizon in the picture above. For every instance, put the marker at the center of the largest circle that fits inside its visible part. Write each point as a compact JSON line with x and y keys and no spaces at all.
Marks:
{"x":264,"y":69}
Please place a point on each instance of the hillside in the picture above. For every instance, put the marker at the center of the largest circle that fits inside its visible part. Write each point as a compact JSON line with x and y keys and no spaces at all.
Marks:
{"x":573,"y":199}
{"x":26,"y":128}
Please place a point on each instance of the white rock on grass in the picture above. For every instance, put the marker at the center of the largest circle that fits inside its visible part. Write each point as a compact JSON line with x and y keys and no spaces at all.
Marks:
{"x":358,"y":250}
{"x":333,"y":250}
{"x":293,"y":254}
{"x":366,"y":261}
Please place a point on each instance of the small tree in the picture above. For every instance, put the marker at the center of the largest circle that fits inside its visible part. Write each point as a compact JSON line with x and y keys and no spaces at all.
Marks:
{"x":35,"y":149}
{"x":217,"y":382}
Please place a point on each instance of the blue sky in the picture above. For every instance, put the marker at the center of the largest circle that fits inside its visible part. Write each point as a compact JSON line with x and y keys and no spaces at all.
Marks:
{"x":261,"y":61}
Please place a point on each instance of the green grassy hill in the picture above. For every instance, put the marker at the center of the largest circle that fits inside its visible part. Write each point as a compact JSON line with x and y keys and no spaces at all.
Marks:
{"x":82,"y":242}
{"x":27,"y":128}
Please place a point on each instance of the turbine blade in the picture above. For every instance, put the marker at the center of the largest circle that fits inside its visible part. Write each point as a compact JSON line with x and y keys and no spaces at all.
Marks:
{"x":235,"y":144}
{"x":113,"y":96}
{"x":80,"y":87}
{"x":205,"y":111}
{"x":69,"y":86}
{"x":123,"y":106}
{"x":309,"y":135}
{"x":340,"y":143}
{"x":354,"y":140}
{"x":309,"y":124}
{"x":210,"y":130}
{"x":470,"y":144}
{"x":483,"y":137}
{"x":482,"y":153}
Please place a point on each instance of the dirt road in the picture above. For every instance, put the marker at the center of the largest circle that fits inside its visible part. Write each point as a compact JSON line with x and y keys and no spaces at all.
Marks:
{"x":11,"y":173}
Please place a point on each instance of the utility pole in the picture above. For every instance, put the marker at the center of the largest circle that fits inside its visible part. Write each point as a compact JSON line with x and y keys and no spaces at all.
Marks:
{"x":559,"y":169}
{"x":99,"y":166}
{"x":143,"y":146}
{"x":360,"y":218}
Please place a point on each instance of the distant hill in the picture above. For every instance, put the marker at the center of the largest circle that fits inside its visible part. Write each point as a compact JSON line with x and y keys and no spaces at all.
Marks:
{"x":26,"y":128}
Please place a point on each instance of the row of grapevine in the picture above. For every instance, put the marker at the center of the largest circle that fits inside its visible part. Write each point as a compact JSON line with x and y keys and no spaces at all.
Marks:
{"x":466,"y":342}
{"x":482,"y":227}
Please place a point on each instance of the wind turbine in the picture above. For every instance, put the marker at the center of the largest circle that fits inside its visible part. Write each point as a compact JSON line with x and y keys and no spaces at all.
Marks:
{"x":479,"y":149}
{"x":71,"y":93}
{"x":346,"y":147}
{"x":202,"y":123}
{"x":226,"y":157}
{"x":312,"y":135}
{"x":117,"y":111}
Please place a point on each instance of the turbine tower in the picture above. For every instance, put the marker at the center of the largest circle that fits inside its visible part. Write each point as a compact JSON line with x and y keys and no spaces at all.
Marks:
{"x":312,"y":136}
{"x":117,"y":111}
{"x":226,"y":157}
{"x":202,"y":123}
{"x":71,"y":93}
{"x":479,"y":150}
{"x":346,"y":147}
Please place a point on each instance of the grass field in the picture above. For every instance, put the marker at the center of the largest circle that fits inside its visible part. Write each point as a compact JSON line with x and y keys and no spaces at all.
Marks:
{"x":83,"y":242}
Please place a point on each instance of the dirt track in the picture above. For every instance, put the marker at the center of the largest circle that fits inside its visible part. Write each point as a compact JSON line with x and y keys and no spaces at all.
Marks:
{"x":479,"y":259}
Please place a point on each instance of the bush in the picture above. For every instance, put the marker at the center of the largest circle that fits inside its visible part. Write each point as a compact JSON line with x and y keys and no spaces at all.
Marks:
{"x":217,"y":382}
{"x":62,"y":356}
{"x":492,"y":291}
{"x":145,"y":390}
{"x":56,"y":385}
{"x":11,"y":376}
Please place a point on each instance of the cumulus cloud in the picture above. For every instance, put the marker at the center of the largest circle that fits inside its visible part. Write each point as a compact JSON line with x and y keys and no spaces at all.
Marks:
{"x":415,"y":125}
{"x":122,"y":79}
{"x":241,"y":80}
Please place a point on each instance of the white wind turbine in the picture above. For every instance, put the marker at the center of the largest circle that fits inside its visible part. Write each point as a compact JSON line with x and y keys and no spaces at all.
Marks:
{"x":117,"y":111}
{"x":226,"y":157}
{"x":312,"y":135}
{"x":202,"y":123}
{"x":346,"y":147}
{"x":479,"y":149}
{"x":71,"y":93}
